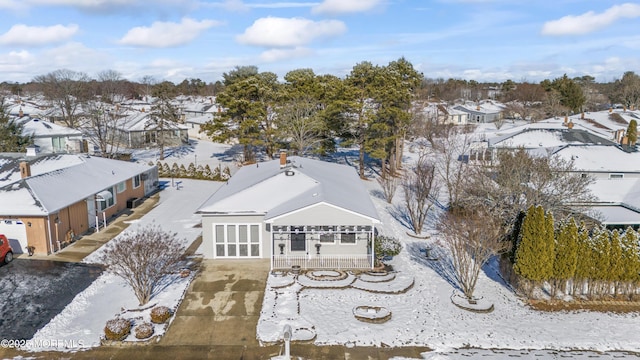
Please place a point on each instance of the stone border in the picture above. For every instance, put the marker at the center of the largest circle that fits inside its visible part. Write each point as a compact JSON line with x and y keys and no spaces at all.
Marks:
{"x":462,"y":302}
{"x":376,"y":319}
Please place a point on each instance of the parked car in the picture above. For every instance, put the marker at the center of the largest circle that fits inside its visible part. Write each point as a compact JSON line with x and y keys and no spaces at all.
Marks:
{"x":6,"y":253}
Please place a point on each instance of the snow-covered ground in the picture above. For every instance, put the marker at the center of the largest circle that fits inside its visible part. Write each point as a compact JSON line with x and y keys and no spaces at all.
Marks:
{"x":422,"y":314}
{"x":81,"y":324}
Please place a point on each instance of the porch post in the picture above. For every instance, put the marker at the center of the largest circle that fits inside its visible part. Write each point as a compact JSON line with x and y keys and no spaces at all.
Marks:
{"x":373,"y":246}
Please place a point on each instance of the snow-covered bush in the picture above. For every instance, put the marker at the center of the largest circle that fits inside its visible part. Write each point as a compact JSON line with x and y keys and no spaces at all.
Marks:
{"x":387,"y":246}
{"x":160,"y":314}
{"x":143,"y":331}
{"x":117,"y":329}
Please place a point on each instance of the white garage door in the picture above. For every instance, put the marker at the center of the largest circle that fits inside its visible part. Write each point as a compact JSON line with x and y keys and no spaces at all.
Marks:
{"x":16,"y":232}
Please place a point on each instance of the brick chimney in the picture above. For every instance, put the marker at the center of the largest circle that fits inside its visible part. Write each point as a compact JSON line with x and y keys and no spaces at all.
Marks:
{"x":25,"y":169}
{"x":20,"y":113}
{"x":283,"y":159}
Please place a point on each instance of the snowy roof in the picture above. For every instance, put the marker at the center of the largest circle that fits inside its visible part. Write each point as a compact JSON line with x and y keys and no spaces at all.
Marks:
{"x":617,"y":191}
{"x":141,"y":121}
{"x":485,"y":107}
{"x":546,"y":136}
{"x":41,"y":128}
{"x":267,"y":189}
{"x":616,"y":215}
{"x":601,"y":158}
{"x":203,"y":119}
{"x":59,"y":181}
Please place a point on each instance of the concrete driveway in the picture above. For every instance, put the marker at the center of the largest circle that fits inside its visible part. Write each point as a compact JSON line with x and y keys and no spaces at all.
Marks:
{"x":34,"y":291}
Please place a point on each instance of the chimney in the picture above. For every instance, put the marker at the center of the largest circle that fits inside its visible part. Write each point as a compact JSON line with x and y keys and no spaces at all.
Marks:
{"x":21,"y":113}
{"x":25,"y":169}
{"x":283,"y":159}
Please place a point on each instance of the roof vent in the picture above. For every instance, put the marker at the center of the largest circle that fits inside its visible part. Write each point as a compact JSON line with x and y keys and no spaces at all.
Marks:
{"x":289,"y":173}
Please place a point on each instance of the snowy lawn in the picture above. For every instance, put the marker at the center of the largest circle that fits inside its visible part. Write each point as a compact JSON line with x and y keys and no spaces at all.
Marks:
{"x":424,"y":315}
{"x":81,"y":324}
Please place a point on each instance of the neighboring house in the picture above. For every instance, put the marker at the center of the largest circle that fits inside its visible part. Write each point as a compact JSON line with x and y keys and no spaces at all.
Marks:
{"x":139,"y":130}
{"x":45,"y":201}
{"x":194,"y":123}
{"x":50,"y":137}
{"x":443,"y":114}
{"x":481,"y":112}
{"x":299,"y":211}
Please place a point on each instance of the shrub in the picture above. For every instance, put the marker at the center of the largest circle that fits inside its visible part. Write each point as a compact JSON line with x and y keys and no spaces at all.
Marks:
{"x":387,"y":246}
{"x":117,"y":329}
{"x":160,"y":314}
{"x":143,"y":331}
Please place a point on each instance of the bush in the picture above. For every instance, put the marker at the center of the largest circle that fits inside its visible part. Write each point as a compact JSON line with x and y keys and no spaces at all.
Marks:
{"x":117,"y":329}
{"x":143,"y":331}
{"x":160,"y":314}
{"x":387,"y":246}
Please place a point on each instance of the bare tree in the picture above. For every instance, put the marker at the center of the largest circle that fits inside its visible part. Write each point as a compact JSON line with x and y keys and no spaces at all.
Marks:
{"x":389,"y":184}
{"x":450,"y":149}
{"x":67,"y":90}
{"x":143,"y":258}
{"x":420,"y":191}
{"x":111,"y":86}
{"x":473,"y":238}
{"x":299,"y":123}
{"x":100,"y":127}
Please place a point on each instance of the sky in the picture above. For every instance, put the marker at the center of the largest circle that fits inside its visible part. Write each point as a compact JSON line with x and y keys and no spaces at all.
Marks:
{"x":482,"y":40}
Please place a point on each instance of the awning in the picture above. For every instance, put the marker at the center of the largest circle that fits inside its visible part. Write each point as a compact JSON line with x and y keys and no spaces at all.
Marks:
{"x":104,"y":196}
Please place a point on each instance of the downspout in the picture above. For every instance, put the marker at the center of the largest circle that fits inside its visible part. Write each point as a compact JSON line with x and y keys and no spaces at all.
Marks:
{"x":49,"y":231}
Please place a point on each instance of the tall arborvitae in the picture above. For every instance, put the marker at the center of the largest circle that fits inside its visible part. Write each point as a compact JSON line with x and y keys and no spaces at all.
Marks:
{"x":534,"y":256}
{"x":564,"y":267}
{"x":616,"y":262}
{"x":601,"y":245}
{"x":631,"y":259}
{"x":584,"y":264}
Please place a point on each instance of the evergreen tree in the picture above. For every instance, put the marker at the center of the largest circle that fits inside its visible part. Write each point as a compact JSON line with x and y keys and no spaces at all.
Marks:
{"x":630,"y":259}
{"x":166,"y":170}
{"x":161,"y":172}
{"x":632,"y":132}
{"x":199,"y":172}
{"x":566,"y":250}
{"x":601,"y":246}
{"x":175,"y":170}
{"x":191,"y":171}
{"x":11,"y":138}
{"x":616,"y":262}
{"x":216,"y":173}
{"x":182,"y":171}
{"x":207,"y":173}
{"x":535,"y":254}
{"x":584,"y":264}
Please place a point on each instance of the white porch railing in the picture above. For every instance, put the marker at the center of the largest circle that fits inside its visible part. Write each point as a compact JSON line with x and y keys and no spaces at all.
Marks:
{"x":322,"y":261}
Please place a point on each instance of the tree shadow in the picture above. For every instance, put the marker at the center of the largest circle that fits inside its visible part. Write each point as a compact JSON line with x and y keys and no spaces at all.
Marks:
{"x":492,"y":270}
{"x":379,"y":194}
{"x":439,"y":260}
{"x":400,"y":214}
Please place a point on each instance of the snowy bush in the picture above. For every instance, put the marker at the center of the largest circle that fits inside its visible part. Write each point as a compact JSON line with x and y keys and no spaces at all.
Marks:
{"x":160,"y":314}
{"x":143,"y":331}
{"x":117,"y":329}
{"x":387,"y":246}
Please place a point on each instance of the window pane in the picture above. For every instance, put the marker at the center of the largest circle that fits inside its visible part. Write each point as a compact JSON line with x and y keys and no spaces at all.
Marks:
{"x":255,"y":250}
{"x":326,"y":238}
{"x":219,"y":250}
{"x":242,"y":233}
{"x":348,"y":238}
{"x":298,"y":242}
{"x":231,"y":233}
{"x":255,"y":233}
{"x":244,"y":249}
{"x":219,"y":233}
{"x":231,"y":250}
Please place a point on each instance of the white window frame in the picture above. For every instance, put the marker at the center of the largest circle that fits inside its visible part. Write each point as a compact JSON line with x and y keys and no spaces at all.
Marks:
{"x":355,"y":238}
{"x":136,"y":179}
{"x":106,"y":202}
{"x":121,"y":187}
{"x":237,"y":243}
{"x":615,"y":176}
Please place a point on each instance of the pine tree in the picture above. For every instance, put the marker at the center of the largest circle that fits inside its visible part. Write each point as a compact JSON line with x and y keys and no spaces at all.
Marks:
{"x":564,"y":267}
{"x":226,"y":173}
{"x":11,"y":138}
{"x":216,"y":174}
{"x":631,"y":259}
{"x":161,"y":172}
{"x":200,"y":172}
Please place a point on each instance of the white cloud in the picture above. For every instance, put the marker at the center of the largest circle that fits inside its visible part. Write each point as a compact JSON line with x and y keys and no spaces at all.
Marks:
{"x":166,"y":34}
{"x":274,"y":55}
{"x":24,"y":35}
{"x":590,"y":21}
{"x":289,"y":32}
{"x":345,"y":6}
{"x":12,"y":5}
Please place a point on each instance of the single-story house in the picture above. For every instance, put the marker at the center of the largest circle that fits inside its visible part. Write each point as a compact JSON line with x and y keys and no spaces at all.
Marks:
{"x":50,"y":137}
{"x":295,"y":211}
{"x":45,"y":201}
{"x":139,"y":130}
{"x":482,"y":112}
